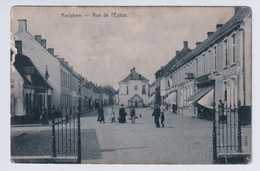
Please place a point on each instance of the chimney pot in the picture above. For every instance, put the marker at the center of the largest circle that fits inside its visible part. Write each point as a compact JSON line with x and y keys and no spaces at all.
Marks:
{"x":185,"y":44}
{"x":22,"y":25}
{"x":218,"y":26}
{"x":133,"y":68}
{"x":210,"y":33}
{"x":198,"y":43}
{"x":43,"y":43}
{"x":177,"y":52}
{"x":51,"y":51}
{"x":38,"y":38}
{"x":18,"y":46}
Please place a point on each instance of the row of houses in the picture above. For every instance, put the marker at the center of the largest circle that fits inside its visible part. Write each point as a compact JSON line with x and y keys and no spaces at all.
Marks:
{"x":40,"y":79}
{"x":218,"y":68}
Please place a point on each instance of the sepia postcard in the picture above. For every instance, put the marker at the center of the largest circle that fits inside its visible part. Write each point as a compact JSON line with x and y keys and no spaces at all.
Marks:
{"x":131,"y":85}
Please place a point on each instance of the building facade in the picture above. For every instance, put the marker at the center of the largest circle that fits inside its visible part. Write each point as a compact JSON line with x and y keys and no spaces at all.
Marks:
{"x":133,"y":90}
{"x":30,"y":91}
{"x":68,"y":88}
{"x":219,"y":68}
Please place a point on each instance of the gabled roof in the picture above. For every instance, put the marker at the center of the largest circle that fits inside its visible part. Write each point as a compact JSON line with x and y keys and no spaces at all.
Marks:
{"x":22,"y":63}
{"x":167,"y":68}
{"x":232,"y":23}
{"x":134,"y":76}
{"x":187,"y":55}
{"x":136,"y":95}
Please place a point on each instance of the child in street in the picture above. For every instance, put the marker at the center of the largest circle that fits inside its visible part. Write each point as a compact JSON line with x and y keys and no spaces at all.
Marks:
{"x":162,"y":119}
{"x":112,"y":115}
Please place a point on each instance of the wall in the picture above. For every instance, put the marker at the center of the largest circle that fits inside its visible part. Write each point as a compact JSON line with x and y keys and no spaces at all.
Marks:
{"x":16,"y":93}
{"x":124,"y":97}
{"x":40,"y":58}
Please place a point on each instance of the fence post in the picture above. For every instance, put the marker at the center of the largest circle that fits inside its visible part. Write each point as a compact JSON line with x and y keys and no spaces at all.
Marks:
{"x":53,"y":134}
{"x":214,"y":135}
{"x":214,"y":142}
{"x":79,"y":136}
{"x":239,"y":139}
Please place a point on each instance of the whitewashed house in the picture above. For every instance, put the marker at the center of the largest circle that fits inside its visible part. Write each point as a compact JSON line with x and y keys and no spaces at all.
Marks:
{"x":133,"y":90}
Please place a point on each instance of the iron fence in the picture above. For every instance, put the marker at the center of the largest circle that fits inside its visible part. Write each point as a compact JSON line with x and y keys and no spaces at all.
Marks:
{"x":226,"y":133}
{"x":66,"y":138}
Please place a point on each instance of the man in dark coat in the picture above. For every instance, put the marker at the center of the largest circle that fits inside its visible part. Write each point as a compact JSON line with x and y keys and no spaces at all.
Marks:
{"x":101,"y":114}
{"x":156,"y":114}
{"x":122,"y":114}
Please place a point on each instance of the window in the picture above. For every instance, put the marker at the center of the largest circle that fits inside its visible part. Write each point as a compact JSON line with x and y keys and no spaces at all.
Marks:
{"x":215,"y":58}
{"x":197,"y":67}
{"x":143,"y":89}
{"x":191,"y":67}
{"x":225,"y":91}
{"x":233,"y":93}
{"x":136,"y":87}
{"x":225,"y":53}
{"x":169,"y":85}
{"x":204,"y":58}
{"x":209,"y":62}
{"x":234,"y":48}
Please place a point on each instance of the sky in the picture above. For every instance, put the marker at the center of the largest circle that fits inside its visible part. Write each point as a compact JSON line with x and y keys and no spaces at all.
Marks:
{"x":104,"y":49}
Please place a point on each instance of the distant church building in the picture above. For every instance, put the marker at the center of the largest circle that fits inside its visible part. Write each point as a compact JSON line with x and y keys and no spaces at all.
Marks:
{"x":133,"y":90}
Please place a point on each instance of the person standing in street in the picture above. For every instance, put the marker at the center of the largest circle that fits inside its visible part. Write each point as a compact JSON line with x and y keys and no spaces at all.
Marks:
{"x":122,"y":114}
{"x":162,"y":115}
{"x":156,"y":114}
{"x":132,"y":114}
{"x":101,"y":117}
{"x":112,"y":114}
{"x":162,"y":119}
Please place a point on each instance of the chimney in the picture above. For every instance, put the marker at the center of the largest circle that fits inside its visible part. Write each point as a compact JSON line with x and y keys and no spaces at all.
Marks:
{"x":140,"y":76}
{"x":237,"y":9}
{"x":185,"y":44}
{"x":22,"y":25}
{"x":218,"y":26}
{"x":177,"y":52}
{"x":43,"y":43}
{"x":133,"y":68}
{"x":62,"y":59}
{"x":198,"y":43}
{"x":51,"y":51}
{"x":18,"y":46}
{"x":56,"y":56}
{"x":38,"y":38}
{"x":210,"y":33}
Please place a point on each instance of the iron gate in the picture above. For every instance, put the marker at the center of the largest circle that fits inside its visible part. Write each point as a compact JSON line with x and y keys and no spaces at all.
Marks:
{"x":226,"y":134}
{"x":66,"y":138}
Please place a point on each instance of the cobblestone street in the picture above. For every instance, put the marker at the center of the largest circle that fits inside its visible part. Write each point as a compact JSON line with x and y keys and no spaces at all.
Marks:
{"x":183,"y":140}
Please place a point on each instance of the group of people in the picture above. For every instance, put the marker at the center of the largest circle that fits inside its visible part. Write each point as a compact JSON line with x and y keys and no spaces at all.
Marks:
{"x":157,"y":113}
{"x":122,"y":115}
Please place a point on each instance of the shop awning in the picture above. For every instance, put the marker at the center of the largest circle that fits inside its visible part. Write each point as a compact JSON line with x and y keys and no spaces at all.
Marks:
{"x":207,"y":100}
{"x":152,"y":99}
{"x":199,"y":94}
{"x":171,"y":99}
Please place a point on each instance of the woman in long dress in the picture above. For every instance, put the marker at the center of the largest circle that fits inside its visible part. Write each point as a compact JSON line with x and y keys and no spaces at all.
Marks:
{"x":101,"y":114}
{"x":122,"y":114}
